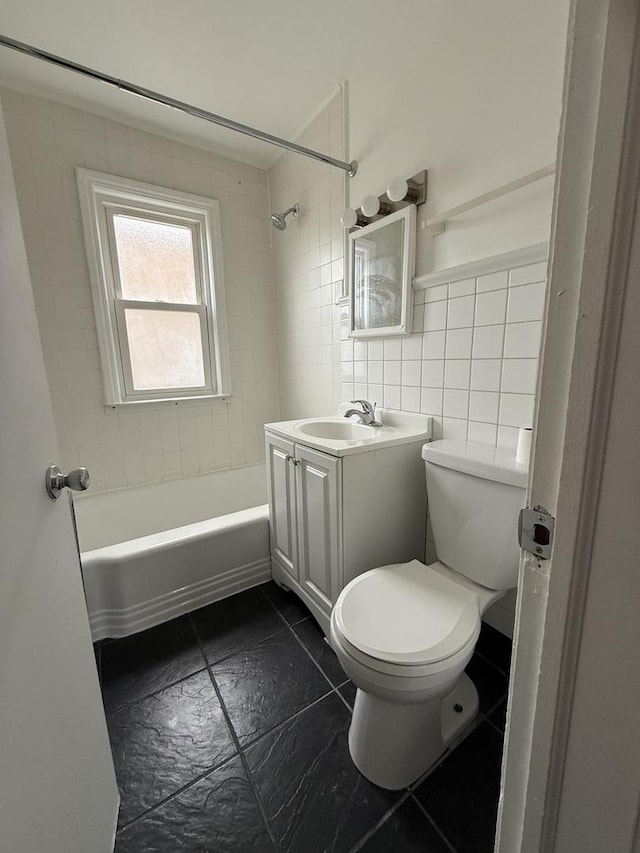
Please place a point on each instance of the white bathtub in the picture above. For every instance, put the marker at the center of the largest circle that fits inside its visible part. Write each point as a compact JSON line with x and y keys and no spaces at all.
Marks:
{"x":154,"y":552}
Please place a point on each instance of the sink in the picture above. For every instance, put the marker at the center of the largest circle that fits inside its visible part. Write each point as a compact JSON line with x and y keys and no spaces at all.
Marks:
{"x":339,"y":436}
{"x":343,"y":430}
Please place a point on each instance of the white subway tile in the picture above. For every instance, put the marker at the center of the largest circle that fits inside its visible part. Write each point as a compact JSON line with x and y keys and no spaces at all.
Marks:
{"x":433,"y":374}
{"x":490,"y":308}
{"x":418,"y":318}
{"x":375,"y":372}
{"x":392,"y":372}
{"x":435,"y":316}
{"x":456,"y":403}
{"x":522,"y":340}
{"x":459,"y":343}
{"x":493,"y":281}
{"x":375,"y":393}
{"x":519,"y":375}
{"x":485,"y":374}
{"x":460,"y":312}
{"x":360,"y":350}
{"x":516,"y":410}
{"x":526,"y":303}
{"x":487,"y":341}
{"x":392,"y":396}
{"x":529,"y":274}
{"x":412,"y":347}
{"x":508,"y":438}
{"x":410,"y":399}
{"x":433,"y":345}
{"x":411,"y":372}
{"x":376,"y":349}
{"x":483,"y":406}
{"x":483,"y":433}
{"x":456,"y":373}
{"x":392,"y":348}
{"x":431,"y":401}
{"x":465,"y":287}
{"x":435,"y":294}
{"x":454,"y":428}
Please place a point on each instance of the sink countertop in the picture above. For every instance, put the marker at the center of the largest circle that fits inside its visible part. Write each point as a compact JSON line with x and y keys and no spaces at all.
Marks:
{"x":397,"y":428}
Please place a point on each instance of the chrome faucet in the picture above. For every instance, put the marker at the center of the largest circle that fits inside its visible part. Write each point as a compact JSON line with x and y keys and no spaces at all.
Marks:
{"x":368,"y":414}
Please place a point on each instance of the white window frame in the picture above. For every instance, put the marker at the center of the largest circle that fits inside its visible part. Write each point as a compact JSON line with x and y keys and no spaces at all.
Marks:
{"x":102,"y":197}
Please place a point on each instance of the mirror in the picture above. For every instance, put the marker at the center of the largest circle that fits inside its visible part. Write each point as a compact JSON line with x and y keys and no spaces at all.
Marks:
{"x":381,"y":268}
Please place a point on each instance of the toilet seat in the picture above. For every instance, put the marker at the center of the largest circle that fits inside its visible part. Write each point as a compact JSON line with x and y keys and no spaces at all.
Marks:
{"x":407,"y":617}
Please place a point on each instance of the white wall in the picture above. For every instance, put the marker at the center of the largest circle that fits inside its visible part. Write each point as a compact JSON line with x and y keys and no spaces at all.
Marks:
{"x":479,"y":106}
{"x":136,"y":446}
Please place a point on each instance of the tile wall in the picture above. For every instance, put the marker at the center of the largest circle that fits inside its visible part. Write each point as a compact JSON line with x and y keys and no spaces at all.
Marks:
{"x":145,"y":444}
{"x":308,"y":266}
{"x":471,"y":360}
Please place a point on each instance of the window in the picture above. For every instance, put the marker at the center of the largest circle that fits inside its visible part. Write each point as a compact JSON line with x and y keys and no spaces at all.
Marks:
{"x":155,"y":260}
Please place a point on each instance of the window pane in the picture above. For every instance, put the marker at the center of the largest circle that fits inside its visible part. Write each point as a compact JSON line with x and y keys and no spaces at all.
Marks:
{"x":165,"y":349}
{"x":155,"y":260}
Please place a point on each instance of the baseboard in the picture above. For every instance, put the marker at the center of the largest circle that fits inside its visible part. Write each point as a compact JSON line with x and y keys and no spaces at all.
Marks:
{"x":154,"y":611}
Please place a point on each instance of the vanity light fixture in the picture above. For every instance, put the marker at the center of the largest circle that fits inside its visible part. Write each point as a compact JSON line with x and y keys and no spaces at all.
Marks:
{"x":411,"y":191}
{"x":350,"y":218}
{"x":372,"y":205}
{"x":399,"y":194}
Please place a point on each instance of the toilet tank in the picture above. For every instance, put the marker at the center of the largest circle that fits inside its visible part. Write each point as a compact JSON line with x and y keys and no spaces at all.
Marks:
{"x":475,"y":495}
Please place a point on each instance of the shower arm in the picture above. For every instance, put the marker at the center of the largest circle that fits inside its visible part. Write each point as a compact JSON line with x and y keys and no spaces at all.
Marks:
{"x":158,"y":98}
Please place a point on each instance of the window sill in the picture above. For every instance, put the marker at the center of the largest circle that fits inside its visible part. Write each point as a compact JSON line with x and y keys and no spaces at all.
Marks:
{"x":163,"y":402}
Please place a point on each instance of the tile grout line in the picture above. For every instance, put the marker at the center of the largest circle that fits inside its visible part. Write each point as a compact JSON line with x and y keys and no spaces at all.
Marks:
{"x":432,"y":822}
{"x":263,"y":813}
{"x":177,"y":792}
{"x":371,"y":832}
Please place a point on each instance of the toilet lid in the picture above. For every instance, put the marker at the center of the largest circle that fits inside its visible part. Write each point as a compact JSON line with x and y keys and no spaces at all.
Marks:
{"x":407,"y":613}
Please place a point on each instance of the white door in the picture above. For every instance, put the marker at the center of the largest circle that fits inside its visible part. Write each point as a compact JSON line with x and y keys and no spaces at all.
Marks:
{"x":571,"y":770}
{"x":282,"y":503}
{"x":319,"y":535}
{"x":58,"y":792}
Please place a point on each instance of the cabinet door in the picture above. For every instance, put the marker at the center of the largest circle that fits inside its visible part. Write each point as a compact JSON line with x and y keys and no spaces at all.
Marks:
{"x":282,"y":503}
{"x":319,"y":533}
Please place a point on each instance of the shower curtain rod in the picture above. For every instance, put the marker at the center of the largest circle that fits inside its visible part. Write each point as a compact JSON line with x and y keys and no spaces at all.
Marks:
{"x":350,"y":168}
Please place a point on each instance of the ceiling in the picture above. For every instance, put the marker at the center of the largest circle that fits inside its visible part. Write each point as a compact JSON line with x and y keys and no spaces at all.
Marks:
{"x":269,"y":65}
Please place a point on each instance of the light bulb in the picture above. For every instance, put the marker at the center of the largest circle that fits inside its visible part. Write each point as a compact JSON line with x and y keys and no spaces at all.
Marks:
{"x":348,"y":218}
{"x":397,"y":189}
{"x":370,"y":205}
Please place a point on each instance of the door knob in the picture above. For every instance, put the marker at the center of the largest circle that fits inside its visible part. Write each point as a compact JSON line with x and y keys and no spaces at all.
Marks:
{"x":56,"y":481}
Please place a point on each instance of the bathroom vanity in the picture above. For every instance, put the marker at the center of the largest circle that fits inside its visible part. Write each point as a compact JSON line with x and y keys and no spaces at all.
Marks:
{"x":343,"y":498}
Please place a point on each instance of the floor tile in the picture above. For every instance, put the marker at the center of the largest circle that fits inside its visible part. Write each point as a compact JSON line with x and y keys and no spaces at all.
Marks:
{"x":162,"y":743}
{"x":407,"y":830}
{"x":310,"y":634}
{"x":491,"y":684}
{"x":348,"y":691}
{"x":315,"y":799}
{"x":495,"y":647}
{"x":286,"y":602}
{"x":499,"y":716}
{"x":219,"y":814}
{"x":235,"y":623}
{"x":461,"y":795}
{"x":144,"y":663}
{"x":266,"y":683}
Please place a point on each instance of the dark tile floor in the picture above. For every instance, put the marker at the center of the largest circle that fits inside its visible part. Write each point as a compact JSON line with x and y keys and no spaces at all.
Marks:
{"x":229,"y":734}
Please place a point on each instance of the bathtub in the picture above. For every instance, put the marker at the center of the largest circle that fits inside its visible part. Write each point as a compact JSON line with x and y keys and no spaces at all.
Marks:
{"x":151,"y":553}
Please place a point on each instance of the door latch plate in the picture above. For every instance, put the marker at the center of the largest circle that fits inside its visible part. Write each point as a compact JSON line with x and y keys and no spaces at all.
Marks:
{"x":535,"y":531}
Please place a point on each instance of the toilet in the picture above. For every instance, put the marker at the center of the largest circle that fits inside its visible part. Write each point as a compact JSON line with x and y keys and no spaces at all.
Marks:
{"x":404,"y":633}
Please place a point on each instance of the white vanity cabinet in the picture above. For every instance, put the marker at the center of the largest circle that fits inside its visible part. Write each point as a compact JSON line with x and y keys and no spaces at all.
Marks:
{"x":333,"y":517}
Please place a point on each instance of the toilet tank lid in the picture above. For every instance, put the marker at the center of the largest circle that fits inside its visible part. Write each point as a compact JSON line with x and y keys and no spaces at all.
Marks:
{"x":479,"y":460}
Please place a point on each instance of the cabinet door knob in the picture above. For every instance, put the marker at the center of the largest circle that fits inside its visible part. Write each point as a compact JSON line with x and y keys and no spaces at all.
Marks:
{"x":288,"y":457}
{"x":295,"y":461}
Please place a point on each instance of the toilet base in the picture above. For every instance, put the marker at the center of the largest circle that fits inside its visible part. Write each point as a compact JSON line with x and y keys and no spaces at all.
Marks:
{"x":393,"y":745}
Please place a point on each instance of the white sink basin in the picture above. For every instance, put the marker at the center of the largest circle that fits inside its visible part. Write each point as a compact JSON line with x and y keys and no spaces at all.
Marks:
{"x":340,"y":436}
{"x":337,"y":430}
